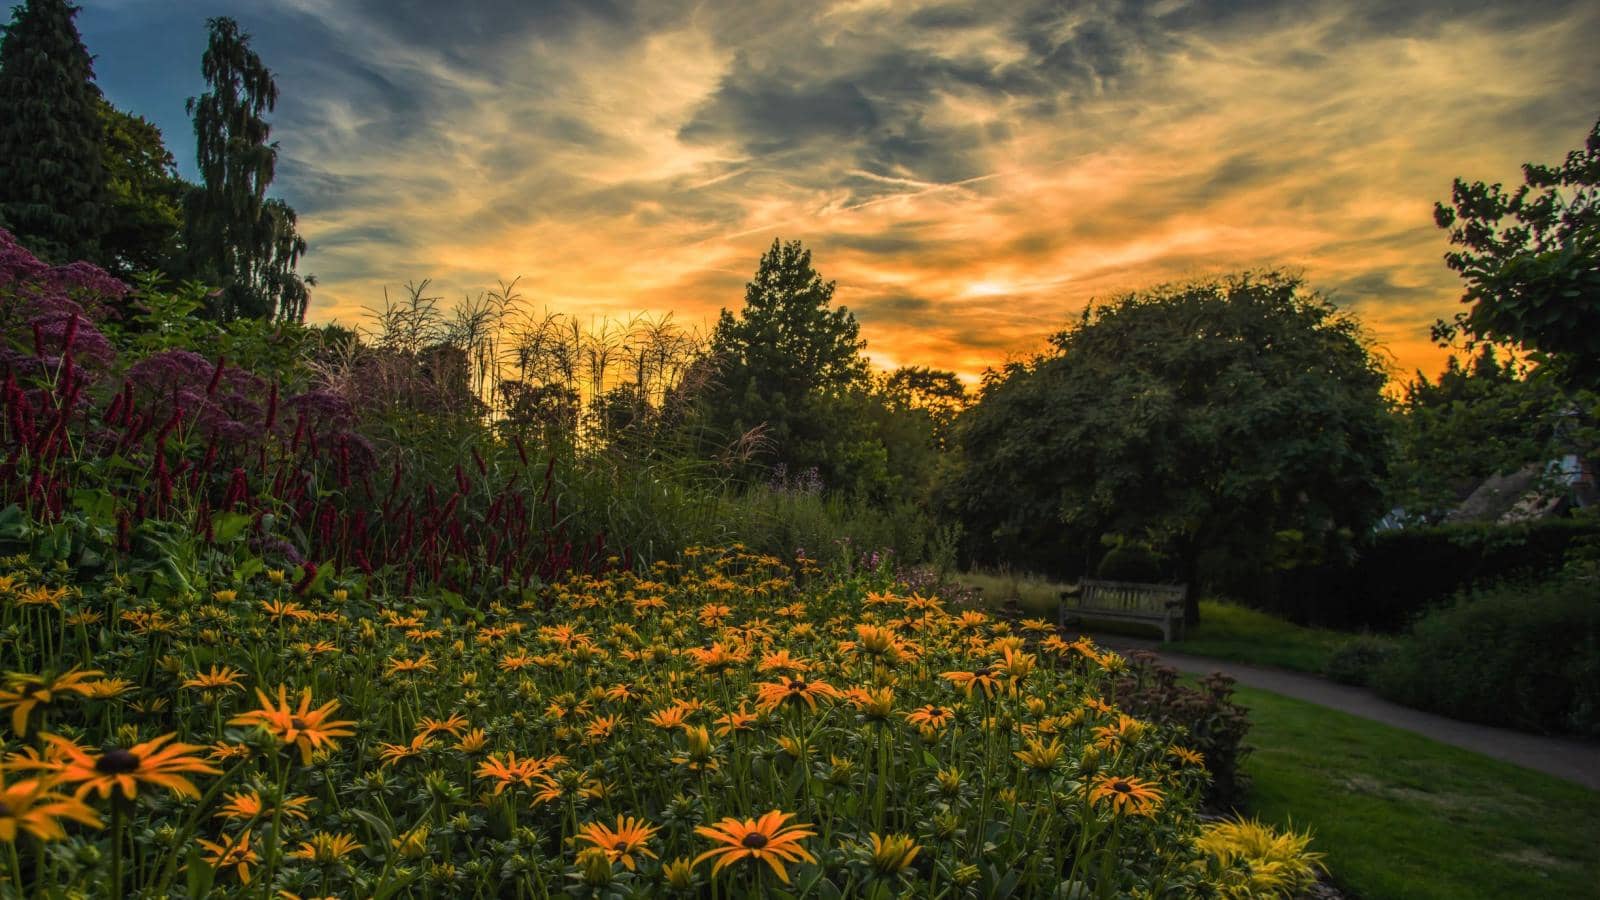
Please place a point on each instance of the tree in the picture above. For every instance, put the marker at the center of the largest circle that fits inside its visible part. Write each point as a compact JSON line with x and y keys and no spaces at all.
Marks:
{"x":52,"y":182}
{"x":144,"y":196}
{"x":1532,"y":282}
{"x":238,"y":238}
{"x":790,"y":364}
{"x":1240,"y":418}
{"x":1481,"y":418}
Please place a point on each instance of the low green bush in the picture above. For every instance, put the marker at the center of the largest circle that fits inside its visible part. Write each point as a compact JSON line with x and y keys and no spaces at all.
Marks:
{"x":1524,"y":655}
{"x":1354,"y":661}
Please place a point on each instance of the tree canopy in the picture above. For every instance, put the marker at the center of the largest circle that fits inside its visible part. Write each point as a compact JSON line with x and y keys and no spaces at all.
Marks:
{"x":1483,"y":417}
{"x":1531,"y":263}
{"x":52,"y":179}
{"x":237,"y":237}
{"x":144,"y":195}
{"x":787,"y":368}
{"x":1243,"y":416}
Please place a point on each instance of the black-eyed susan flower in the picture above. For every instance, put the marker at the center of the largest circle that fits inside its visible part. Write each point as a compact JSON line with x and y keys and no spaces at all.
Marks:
{"x":247,"y":805}
{"x":1039,"y":756}
{"x":428,"y":726}
{"x":620,"y":843}
{"x":982,"y":679}
{"x":793,"y":692}
{"x":1125,"y":795}
{"x":154,"y":762}
{"x":931,"y":716}
{"x":232,"y":851}
{"x":892,"y":853}
{"x":218,"y":678}
{"x":24,"y":693}
{"x":32,"y":805}
{"x":303,"y":727}
{"x":327,"y":848}
{"x":765,"y":839}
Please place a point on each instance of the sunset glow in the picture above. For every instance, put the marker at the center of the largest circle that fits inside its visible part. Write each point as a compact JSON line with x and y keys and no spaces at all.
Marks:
{"x":970,"y":178}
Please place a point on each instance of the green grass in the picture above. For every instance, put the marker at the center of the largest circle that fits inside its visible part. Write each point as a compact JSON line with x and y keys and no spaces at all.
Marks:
{"x":1226,"y":630}
{"x":1037,"y":596}
{"x":1241,"y":634}
{"x":1402,"y":816}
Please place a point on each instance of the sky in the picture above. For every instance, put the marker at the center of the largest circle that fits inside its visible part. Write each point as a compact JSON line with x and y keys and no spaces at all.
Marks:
{"x":970,"y":174}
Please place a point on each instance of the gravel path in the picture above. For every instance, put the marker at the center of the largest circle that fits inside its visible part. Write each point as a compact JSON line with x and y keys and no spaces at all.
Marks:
{"x":1568,"y":758}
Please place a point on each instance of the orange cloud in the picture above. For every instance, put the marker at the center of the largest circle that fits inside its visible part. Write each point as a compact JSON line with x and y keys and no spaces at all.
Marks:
{"x":967,"y":204}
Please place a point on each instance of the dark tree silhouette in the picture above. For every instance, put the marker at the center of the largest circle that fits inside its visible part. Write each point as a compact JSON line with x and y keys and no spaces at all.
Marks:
{"x":1532,"y":281}
{"x":52,"y":183}
{"x":238,"y":238}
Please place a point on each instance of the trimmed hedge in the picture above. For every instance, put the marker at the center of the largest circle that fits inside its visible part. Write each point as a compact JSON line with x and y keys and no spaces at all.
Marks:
{"x":1404,"y":573}
{"x":1520,"y":655}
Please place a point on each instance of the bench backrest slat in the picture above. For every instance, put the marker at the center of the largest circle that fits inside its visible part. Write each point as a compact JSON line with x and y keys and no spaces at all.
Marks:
{"x":1129,"y":596}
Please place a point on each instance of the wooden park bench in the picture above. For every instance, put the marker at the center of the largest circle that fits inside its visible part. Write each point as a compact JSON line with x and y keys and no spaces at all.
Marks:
{"x":1157,"y":604}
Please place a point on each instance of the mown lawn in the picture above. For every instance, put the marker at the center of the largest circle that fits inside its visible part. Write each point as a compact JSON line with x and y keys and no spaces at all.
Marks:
{"x":1241,"y":634}
{"x":1401,"y":816}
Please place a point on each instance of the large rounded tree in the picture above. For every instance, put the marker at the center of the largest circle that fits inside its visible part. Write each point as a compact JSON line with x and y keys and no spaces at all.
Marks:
{"x":1241,"y":416}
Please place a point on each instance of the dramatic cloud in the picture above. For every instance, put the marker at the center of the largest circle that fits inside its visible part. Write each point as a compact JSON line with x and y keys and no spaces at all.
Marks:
{"x":971,"y":175}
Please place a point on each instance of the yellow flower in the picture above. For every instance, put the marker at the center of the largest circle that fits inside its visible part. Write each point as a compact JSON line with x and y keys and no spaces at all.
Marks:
{"x":1126,"y":795}
{"x":24,"y":693}
{"x":32,"y":805}
{"x":931,"y":716}
{"x":423,"y":663}
{"x":106,"y":688}
{"x":766,"y":839}
{"x":1039,"y":756}
{"x":893,"y":853}
{"x":219,"y":677}
{"x":124,"y":769}
{"x":247,"y":805}
{"x":795,"y":691}
{"x":620,"y":843}
{"x":234,"y":851}
{"x":394,"y":754}
{"x":473,"y":741}
{"x":325,"y":848}
{"x":304,"y":727}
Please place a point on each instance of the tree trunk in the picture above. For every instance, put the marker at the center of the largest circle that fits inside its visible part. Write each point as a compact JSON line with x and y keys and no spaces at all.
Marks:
{"x":1189,"y":555}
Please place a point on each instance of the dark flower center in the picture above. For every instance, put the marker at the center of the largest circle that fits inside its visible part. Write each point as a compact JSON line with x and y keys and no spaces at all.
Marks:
{"x":1122,"y":787}
{"x":980,"y":673}
{"x":5,"y":811}
{"x":622,"y":845}
{"x":935,"y":712}
{"x":797,"y":686}
{"x":755,"y":840}
{"x":116,"y":762}
{"x":299,"y":723}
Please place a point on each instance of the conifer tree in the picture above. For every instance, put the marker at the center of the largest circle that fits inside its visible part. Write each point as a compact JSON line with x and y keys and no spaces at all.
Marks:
{"x":52,"y":182}
{"x":238,"y":238}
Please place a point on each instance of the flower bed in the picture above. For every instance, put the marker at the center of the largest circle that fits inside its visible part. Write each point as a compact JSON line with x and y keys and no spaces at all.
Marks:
{"x":732,"y":727}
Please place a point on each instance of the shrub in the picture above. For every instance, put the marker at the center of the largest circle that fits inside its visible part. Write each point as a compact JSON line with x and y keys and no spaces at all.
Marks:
{"x":1354,"y":661}
{"x":1132,"y":561}
{"x":1520,"y":654}
{"x":1215,"y":724}
{"x":1247,"y":860}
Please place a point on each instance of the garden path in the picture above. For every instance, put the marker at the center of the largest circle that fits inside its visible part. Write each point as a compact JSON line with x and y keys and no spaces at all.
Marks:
{"x":1572,"y":759}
